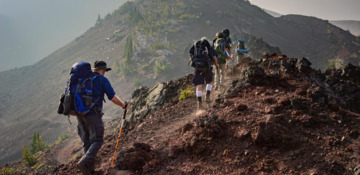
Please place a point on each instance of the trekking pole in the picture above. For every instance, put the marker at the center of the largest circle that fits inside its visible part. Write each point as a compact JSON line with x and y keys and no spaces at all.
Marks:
{"x":121,"y":126}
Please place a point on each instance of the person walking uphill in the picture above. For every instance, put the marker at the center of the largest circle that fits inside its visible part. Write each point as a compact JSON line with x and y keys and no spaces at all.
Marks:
{"x":90,"y":125}
{"x":202,"y":56}
{"x":223,"y":55}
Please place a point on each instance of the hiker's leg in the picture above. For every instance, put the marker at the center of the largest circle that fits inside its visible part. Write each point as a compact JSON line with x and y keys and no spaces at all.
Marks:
{"x":208,"y":79}
{"x":96,"y":130}
{"x":217,"y":78}
{"x":199,"y":96}
{"x":222,"y":74}
{"x":198,"y":81}
{"x":83,"y":133}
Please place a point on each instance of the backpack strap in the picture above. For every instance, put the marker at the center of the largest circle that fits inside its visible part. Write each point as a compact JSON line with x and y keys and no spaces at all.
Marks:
{"x":92,"y":88}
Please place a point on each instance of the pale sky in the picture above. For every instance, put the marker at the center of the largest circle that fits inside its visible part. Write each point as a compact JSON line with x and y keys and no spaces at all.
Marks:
{"x":324,"y":9}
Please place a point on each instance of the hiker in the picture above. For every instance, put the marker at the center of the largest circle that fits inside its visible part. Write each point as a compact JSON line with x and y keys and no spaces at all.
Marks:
{"x":202,"y":57}
{"x":222,"y":56}
{"x":90,"y":126}
{"x":228,"y":40}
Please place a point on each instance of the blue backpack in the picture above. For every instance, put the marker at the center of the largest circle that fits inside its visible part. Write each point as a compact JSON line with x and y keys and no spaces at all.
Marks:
{"x":79,"y":97}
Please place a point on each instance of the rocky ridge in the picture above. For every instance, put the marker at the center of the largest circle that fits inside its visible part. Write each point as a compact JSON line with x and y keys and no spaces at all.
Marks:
{"x":277,"y":116}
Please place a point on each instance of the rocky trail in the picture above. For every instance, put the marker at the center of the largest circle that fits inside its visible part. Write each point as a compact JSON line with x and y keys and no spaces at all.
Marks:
{"x":276,"y":116}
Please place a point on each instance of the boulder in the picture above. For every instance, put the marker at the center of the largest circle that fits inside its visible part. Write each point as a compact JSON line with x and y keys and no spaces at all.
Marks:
{"x":271,"y":133}
{"x":136,"y":158}
{"x":253,"y":75}
{"x":303,"y":65}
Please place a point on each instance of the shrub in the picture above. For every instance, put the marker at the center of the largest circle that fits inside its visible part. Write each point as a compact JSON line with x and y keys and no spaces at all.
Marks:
{"x":107,"y":16}
{"x":161,"y":67}
{"x":37,"y":144}
{"x":126,"y":69}
{"x":7,"y":171}
{"x":137,"y":82}
{"x":187,"y":16}
{"x":62,"y":138}
{"x":335,"y":63}
{"x":159,"y":45}
{"x":38,"y":167}
{"x":186,"y":93}
{"x":28,"y":158}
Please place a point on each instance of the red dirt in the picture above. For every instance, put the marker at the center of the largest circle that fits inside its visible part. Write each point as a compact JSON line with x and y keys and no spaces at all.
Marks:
{"x":273,"y":127}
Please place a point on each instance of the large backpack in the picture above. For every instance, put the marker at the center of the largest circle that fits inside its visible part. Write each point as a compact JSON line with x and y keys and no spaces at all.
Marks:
{"x":200,"y":58}
{"x":219,"y":47}
{"x":226,"y":33}
{"x":79,"y":98}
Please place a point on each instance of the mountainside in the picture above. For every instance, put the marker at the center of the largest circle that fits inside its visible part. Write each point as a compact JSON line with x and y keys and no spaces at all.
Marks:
{"x":147,"y":42}
{"x":350,"y":25}
{"x":277,"y":116}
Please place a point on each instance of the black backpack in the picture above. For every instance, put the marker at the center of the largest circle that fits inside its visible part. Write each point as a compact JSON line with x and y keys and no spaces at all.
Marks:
{"x":226,"y":33}
{"x":200,"y":58}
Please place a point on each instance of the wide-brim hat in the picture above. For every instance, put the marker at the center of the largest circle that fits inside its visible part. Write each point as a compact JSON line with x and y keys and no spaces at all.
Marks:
{"x":101,"y":65}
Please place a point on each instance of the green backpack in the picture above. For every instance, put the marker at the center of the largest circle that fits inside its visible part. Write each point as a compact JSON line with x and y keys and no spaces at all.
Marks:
{"x":219,"y":46}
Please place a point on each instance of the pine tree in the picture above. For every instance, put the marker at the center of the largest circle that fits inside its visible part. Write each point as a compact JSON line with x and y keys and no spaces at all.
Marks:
{"x":37,"y":144}
{"x":28,"y":158}
{"x":98,"y":21}
{"x":129,"y":50}
{"x":33,"y":144}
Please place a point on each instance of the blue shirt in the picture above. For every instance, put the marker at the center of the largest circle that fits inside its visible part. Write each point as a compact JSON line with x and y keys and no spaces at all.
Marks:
{"x":101,"y":86}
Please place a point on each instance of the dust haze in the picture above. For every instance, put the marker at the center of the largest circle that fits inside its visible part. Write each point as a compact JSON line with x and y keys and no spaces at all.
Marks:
{"x":31,"y":30}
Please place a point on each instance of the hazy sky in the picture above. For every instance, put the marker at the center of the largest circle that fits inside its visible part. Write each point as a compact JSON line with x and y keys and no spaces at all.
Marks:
{"x":324,"y":9}
{"x":32,"y":29}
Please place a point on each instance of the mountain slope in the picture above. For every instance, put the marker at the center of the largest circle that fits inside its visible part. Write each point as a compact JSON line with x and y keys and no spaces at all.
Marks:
{"x":350,"y":25}
{"x":162,"y":32}
{"x":277,"y":117}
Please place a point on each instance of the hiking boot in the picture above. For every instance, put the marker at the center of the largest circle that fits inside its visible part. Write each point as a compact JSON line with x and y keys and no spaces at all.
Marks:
{"x":83,"y":168}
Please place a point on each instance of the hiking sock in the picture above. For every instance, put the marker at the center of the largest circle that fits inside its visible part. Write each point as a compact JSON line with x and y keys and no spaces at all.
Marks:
{"x":209,"y":87}
{"x":198,"y":93}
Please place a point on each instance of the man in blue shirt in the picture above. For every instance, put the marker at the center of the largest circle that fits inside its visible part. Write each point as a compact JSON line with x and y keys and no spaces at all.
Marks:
{"x":91,"y":126}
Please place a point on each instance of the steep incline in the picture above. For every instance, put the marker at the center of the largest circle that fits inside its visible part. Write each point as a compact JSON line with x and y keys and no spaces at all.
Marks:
{"x":161,"y":32}
{"x":277,"y":116}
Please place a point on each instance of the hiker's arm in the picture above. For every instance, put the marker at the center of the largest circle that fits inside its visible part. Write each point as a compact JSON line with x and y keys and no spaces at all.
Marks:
{"x":215,"y":62}
{"x":118,"y":101}
{"x":229,"y":57}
